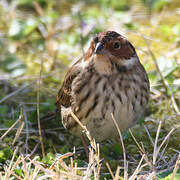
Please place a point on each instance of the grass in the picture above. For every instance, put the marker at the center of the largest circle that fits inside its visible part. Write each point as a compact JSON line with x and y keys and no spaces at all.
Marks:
{"x":26,"y":167}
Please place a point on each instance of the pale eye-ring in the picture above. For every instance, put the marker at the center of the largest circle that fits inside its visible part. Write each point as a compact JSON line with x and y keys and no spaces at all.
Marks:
{"x":116,"y":45}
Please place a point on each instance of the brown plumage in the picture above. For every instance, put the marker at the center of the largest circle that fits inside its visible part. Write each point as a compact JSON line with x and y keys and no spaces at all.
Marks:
{"x":108,"y":79}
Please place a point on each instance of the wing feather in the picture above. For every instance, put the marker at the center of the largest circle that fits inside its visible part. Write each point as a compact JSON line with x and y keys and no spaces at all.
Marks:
{"x":64,"y":95}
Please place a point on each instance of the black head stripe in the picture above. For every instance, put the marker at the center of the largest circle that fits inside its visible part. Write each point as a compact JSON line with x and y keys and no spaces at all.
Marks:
{"x":109,"y":36}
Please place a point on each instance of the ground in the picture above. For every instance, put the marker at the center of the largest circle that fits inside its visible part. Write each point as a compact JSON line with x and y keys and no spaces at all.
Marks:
{"x":38,"y":41}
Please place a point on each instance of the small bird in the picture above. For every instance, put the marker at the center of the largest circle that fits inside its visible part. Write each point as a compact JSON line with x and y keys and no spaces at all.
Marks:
{"x":109,"y":78}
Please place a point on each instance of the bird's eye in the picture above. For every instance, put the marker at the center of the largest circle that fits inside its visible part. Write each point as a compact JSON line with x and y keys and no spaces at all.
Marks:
{"x":116,"y":45}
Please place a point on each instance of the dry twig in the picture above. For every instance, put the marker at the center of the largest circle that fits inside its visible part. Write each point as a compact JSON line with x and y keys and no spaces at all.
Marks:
{"x":175,"y":168}
{"x":38,"y":109}
{"x":122,"y":144}
{"x":20,"y":119}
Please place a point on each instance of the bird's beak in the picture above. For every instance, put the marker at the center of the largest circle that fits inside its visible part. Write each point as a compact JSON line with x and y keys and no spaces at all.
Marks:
{"x":98,"y":48}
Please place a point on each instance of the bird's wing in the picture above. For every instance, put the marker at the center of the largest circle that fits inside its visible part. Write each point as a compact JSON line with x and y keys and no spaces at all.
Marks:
{"x":64,"y":95}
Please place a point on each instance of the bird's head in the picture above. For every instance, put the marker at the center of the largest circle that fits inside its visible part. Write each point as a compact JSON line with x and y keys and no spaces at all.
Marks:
{"x":111,"y":48}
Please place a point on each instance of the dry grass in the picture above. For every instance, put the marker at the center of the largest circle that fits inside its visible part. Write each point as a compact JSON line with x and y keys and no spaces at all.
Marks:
{"x":32,"y":168}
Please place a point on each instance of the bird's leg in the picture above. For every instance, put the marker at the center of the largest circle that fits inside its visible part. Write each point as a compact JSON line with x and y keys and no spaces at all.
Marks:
{"x":85,"y":146}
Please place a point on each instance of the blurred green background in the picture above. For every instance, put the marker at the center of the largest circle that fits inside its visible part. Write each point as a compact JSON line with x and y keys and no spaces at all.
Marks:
{"x":55,"y":33}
